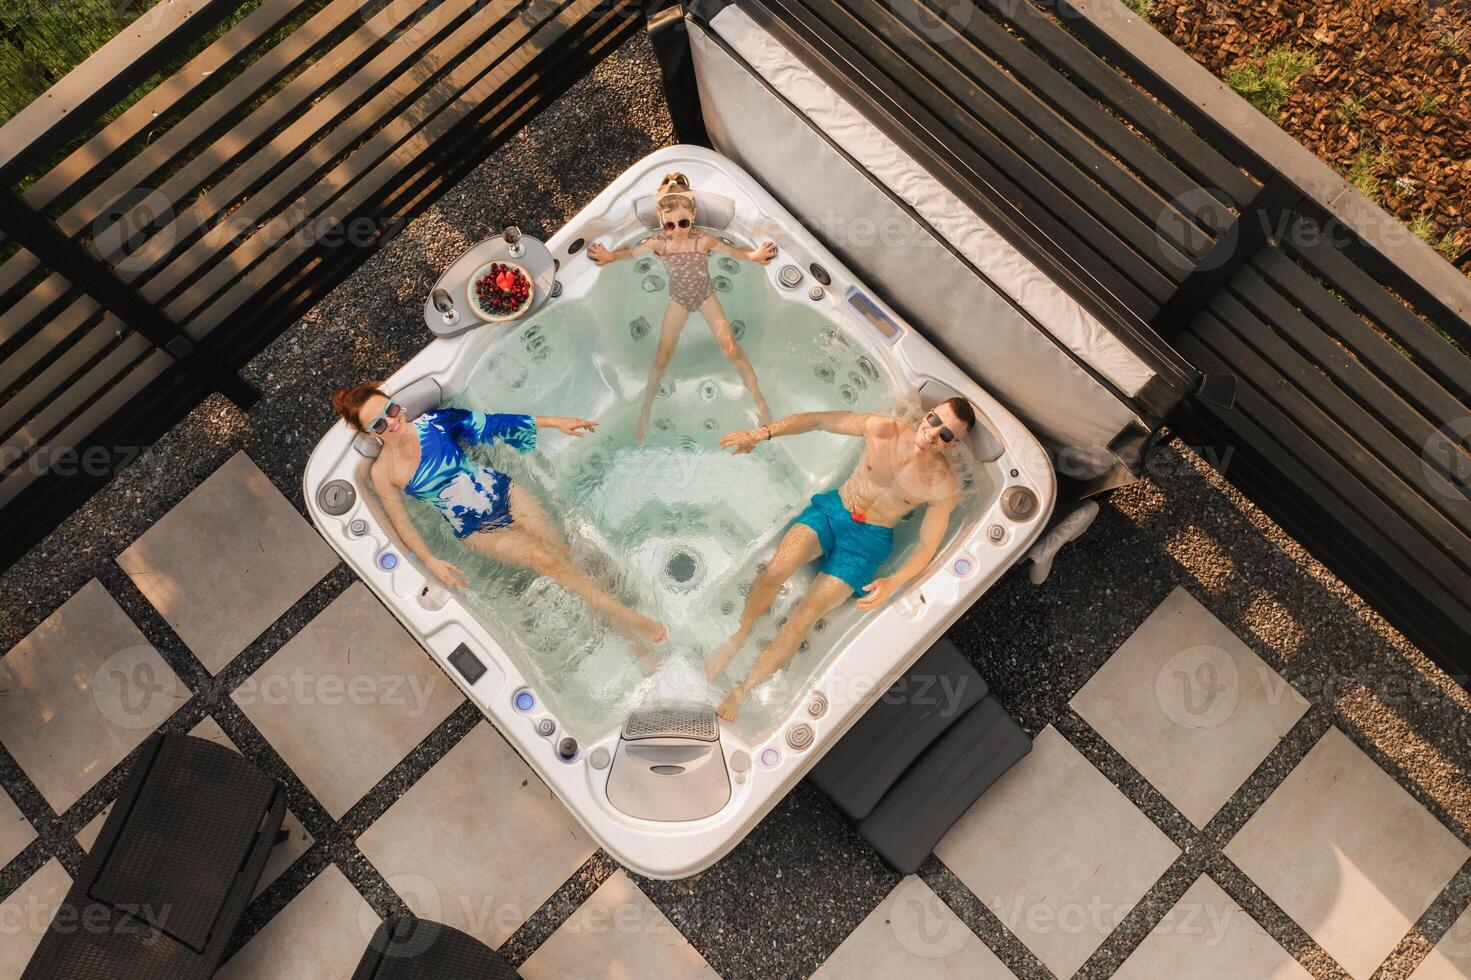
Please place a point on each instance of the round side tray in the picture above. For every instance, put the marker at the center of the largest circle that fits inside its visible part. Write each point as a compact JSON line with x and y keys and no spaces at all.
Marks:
{"x":455,"y":282}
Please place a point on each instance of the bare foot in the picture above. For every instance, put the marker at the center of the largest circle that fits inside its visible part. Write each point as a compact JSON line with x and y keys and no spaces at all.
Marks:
{"x":721,"y":658}
{"x":730,"y":708}
{"x":650,"y":630}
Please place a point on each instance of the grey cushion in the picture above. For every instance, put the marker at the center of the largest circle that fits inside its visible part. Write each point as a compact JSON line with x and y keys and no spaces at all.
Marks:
{"x":711,"y":211}
{"x":939,"y":689}
{"x":943,"y":784}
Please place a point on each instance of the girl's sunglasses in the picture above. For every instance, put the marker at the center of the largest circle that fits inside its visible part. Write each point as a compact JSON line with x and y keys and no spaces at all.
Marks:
{"x":681,"y":223}
{"x":945,"y":434}
{"x":379,"y":425}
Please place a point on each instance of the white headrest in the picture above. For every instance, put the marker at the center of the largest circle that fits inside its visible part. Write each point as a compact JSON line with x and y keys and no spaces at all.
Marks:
{"x":416,"y":397}
{"x":985,"y":444}
{"x":711,"y":211}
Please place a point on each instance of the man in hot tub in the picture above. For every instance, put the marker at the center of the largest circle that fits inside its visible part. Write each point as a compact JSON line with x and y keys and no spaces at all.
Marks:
{"x":851,"y":529}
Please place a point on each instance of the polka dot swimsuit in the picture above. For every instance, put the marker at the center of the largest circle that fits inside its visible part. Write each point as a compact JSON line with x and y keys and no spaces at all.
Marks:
{"x":689,"y":273}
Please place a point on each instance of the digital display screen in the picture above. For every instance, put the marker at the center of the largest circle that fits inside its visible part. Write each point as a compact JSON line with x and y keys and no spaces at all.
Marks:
{"x":873,"y":316}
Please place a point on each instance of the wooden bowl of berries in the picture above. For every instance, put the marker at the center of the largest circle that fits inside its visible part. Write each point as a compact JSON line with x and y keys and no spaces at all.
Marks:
{"x":501,"y":291}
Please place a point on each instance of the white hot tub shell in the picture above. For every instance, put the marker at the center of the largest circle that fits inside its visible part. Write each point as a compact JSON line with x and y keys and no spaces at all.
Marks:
{"x":759,"y":772}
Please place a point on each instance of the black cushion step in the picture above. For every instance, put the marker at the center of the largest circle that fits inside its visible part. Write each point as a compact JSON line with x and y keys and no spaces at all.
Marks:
{"x":943,"y":784}
{"x":940,"y":688}
{"x":406,"y":948}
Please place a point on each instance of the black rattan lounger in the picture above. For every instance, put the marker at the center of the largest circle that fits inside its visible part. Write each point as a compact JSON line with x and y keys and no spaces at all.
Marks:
{"x":164,"y":888}
{"x":920,"y":757}
{"x":406,"y":948}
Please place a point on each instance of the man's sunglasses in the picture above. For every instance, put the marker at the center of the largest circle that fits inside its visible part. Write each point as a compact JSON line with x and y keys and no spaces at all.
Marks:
{"x":681,"y":223}
{"x":945,"y":434}
{"x":379,"y":425}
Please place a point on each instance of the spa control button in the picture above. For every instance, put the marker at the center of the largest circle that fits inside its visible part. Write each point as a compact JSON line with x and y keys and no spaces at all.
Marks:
{"x":790,"y":276}
{"x":545,"y":727}
{"x":740,"y":761}
{"x":357,"y":527}
{"x":799,"y":736}
{"x":467,"y":664}
{"x":817,"y":705}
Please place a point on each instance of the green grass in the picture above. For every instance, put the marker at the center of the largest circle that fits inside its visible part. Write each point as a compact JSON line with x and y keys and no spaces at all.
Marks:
{"x":1449,"y":43}
{"x":1429,"y":105}
{"x":1350,"y":107}
{"x":1367,"y":165}
{"x":1265,"y":79}
{"x":1451,"y":244}
{"x":1141,"y":7}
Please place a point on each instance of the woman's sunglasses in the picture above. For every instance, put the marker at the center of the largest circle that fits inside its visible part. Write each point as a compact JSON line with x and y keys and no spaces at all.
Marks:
{"x":945,"y":434}
{"x":379,"y":425}
{"x":681,"y":223}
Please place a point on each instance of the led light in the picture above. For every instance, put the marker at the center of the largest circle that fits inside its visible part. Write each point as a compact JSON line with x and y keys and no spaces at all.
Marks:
{"x":770,"y":757}
{"x":525,"y":701}
{"x":963,"y":566}
{"x":388,"y":561}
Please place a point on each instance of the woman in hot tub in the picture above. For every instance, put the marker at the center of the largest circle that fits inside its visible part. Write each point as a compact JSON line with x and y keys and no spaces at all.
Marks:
{"x":685,"y":251}
{"x":490,"y":514}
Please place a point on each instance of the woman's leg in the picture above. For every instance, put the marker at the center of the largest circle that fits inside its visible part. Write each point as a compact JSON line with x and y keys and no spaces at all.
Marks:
{"x":674,"y":319}
{"x":516,"y":545}
{"x":798,"y":547}
{"x":714,"y":315}
{"x":527,"y":511}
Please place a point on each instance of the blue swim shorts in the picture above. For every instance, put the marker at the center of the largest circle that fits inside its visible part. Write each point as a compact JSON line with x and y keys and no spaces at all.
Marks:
{"x":851,"y":550}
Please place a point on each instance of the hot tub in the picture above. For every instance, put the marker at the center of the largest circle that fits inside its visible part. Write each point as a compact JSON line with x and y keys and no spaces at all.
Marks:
{"x":676,"y":527}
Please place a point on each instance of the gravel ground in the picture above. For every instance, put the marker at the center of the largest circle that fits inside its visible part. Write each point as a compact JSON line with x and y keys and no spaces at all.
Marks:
{"x":785,"y":898}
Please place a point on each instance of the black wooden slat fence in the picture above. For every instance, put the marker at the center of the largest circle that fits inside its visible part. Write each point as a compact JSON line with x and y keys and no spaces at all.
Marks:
{"x":153,"y":253}
{"x":1203,"y":237}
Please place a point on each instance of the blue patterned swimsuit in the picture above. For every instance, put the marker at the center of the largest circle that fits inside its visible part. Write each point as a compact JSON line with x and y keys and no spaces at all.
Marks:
{"x":472,"y":498}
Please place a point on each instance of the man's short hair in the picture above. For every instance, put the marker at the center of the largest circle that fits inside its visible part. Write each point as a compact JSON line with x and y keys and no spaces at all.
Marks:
{"x":963,"y":410}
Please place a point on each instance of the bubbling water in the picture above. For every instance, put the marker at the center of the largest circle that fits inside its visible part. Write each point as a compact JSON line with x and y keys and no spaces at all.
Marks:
{"x":674,"y":527}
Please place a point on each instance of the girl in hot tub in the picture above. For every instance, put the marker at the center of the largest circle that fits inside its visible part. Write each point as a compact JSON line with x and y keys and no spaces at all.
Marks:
{"x":493,"y":516}
{"x":685,"y":251}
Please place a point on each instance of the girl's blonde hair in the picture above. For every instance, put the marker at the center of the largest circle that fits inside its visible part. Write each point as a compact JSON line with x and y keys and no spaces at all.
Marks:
{"x":674,"y":191}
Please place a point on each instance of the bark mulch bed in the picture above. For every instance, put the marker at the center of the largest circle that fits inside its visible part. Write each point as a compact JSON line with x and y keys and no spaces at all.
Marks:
{"x":1388,"y":102}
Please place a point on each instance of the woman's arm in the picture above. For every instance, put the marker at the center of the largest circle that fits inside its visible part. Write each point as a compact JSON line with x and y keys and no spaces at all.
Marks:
{"x":602,"y":255}
{"x":931,"y":534}
{"x":841,"y":423}
{"x":567,"y":424}
{"x":391,"y":495}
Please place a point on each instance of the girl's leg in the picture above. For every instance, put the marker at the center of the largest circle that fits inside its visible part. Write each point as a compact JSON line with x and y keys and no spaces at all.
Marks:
{"x":516,"y":545}
{"x":527,"y":511}
{"x":798,"y":547}
{"x":674,"y":319}
{"x":714,"y":315}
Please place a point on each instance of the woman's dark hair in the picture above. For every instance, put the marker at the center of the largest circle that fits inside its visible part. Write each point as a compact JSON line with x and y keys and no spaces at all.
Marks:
{"x":349,"y":402}
{"x":964,"y":411}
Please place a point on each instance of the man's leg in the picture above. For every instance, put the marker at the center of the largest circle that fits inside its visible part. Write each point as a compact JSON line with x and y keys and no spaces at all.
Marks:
{"x":825,"y":595}
{"x":798,"y":547}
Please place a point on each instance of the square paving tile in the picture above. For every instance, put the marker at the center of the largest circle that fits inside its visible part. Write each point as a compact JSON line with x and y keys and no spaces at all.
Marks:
{"x":502,"y":843}
{"x":1451,"y":957}
{"x":1207,"y":936}
{"x":319,"y":935}
{"x":85,"y":688}
{"x":25,"y":915}
{"x":617,"y":934}
{"x":1347,"y":853}
{"x":1057,"y":853}
{"x":913,"y":935}
{"x":347,"y":698}
{"x":227,"y":561}
{"x":1190,"y":706}
{"x":298,"y":841}
{"x":16,"y":832}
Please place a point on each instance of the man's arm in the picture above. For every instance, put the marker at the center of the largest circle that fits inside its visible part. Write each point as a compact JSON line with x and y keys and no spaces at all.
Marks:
{"x":931,"y":534}
{"x":841,"y":423}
